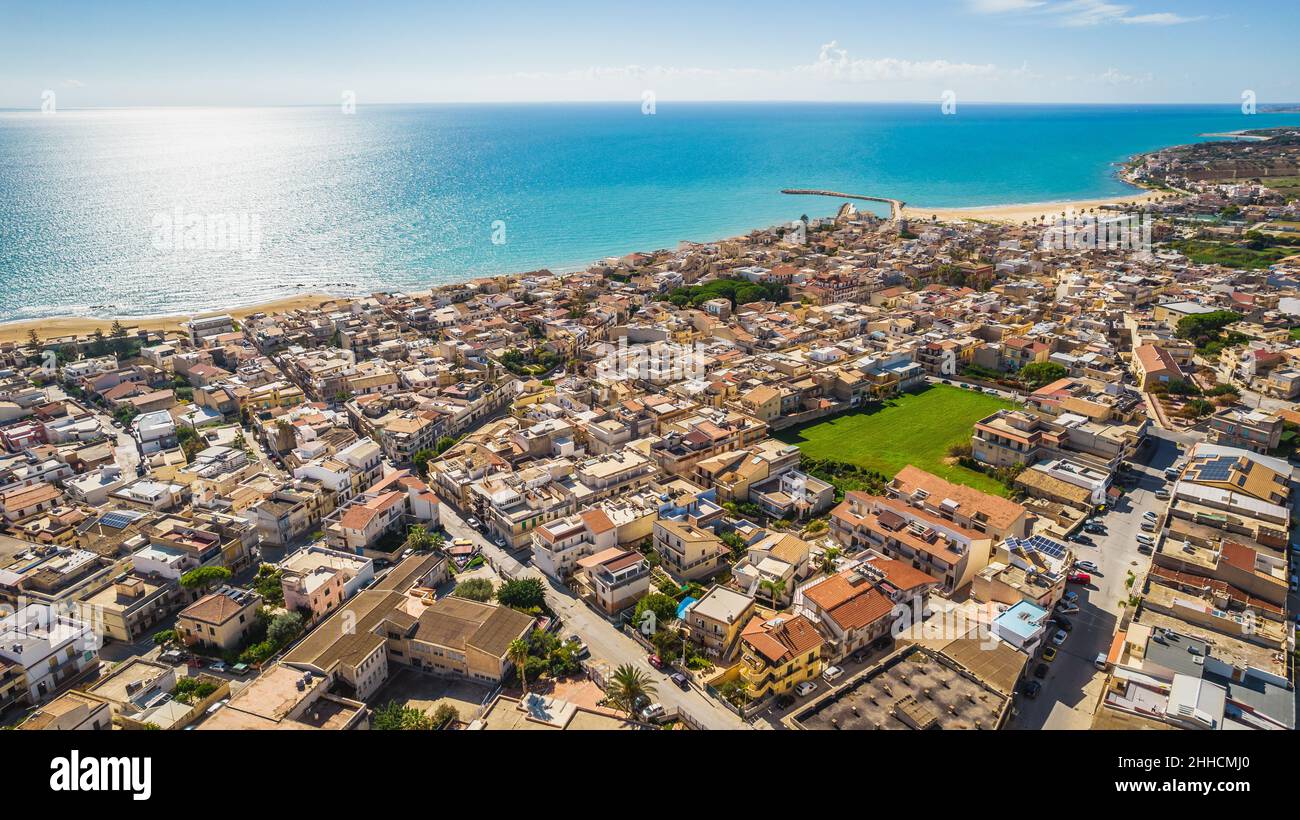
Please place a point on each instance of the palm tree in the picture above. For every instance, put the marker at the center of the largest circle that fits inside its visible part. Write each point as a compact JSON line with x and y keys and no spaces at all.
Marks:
{"x":774,"y":588}
{"x":628,"y":685}
{"x":828,"y":559}
{"x":517,"y":652}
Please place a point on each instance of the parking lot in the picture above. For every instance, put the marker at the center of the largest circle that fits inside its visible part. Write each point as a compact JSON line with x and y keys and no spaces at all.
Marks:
{"x":1073,"y":684}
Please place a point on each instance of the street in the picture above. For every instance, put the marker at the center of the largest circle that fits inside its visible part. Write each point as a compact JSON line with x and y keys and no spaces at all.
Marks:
{"x":1073,"y":685}
{"x":608,"y":645}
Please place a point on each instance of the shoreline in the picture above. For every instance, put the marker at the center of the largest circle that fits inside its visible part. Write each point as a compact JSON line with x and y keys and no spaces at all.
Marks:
{"x":55,"y":327}
{"x":1025,"y":211}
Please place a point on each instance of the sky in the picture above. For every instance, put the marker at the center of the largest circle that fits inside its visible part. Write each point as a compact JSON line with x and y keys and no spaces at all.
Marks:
{"x":114,"y":53}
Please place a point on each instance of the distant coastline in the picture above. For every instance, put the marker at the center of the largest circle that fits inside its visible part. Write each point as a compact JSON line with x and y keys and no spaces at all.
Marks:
{"x":288,"y":278}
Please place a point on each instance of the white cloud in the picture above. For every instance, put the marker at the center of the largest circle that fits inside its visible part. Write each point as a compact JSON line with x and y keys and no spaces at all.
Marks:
{"x":1078,"y":13}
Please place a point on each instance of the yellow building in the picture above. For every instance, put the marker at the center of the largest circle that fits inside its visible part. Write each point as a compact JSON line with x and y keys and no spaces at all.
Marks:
{"x":779,"y":653}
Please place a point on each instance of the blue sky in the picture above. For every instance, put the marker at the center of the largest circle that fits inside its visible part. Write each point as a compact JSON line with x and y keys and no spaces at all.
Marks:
{"x":241,"y":52}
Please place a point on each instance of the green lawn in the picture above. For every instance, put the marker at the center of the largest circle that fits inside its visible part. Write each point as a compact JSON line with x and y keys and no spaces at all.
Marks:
{"x":915,"y":428}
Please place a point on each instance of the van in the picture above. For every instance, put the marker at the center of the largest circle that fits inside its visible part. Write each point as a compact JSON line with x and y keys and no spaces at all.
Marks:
{"x":1100,"y":661}
{"x":1162,"y":495}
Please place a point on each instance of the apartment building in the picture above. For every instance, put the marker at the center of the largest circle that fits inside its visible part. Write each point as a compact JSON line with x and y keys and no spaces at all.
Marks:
{"x":1252,"y":430}
{"x":860,"y":604}
{"x":559,"y":545}
{"x":689,"y":552}
{"x":43,"y":649}
{"x":778,"y":653}
{"x":614,"y":579}
{"x":716,"y":619}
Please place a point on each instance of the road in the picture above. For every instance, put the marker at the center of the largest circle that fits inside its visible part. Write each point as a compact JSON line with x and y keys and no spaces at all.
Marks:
{"x":608,"y":645}
{"x":1073,"y":685}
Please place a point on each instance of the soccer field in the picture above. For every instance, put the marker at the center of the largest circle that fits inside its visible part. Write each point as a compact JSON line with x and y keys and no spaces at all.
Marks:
{"x":914,"y":428}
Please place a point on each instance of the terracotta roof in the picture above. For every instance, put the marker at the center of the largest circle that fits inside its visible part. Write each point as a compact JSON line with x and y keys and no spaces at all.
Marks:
{"x":216,"y":608}
{"x":1001,"y":512}
{"x":781,"y":638}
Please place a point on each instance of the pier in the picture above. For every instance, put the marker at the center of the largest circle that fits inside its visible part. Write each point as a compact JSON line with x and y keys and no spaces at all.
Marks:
{"x":895,"y":205}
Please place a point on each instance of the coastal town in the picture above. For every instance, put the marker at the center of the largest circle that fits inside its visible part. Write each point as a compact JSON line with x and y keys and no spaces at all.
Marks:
{"x":854,"y":472}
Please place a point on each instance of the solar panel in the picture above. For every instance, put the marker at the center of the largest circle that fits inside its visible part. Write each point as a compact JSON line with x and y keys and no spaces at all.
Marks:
{"x":1047,"y":546}
{"x":119,"y":520}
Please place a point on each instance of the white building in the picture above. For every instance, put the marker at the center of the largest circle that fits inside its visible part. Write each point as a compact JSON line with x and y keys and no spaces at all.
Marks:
{"x":49,"y":646}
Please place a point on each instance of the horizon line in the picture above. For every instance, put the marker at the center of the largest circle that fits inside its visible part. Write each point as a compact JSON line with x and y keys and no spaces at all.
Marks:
{"x":1261,"y":107}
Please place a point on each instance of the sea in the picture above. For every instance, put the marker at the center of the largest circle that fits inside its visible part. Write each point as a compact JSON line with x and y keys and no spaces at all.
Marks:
{"x":134,"y":212}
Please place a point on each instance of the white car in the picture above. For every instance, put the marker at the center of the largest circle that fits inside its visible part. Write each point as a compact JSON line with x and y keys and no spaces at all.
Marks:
{"x":1059,"y":637}
{"x":805,"y":688}
{"x":1150,"y":516}
{"x":831,"y":673}
{"x":652,"y":712}
{"x":1087,"y":566}
{"x":1142,"y":538}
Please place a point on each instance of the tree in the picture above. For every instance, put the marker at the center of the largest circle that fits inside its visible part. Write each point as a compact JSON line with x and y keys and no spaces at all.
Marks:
{"x":421,"y":462}
{"x":774,"y":587}
{"x":522,"y":593}
{"x":284,"y":628}
{"x":828,"y":559}
{"x":444,"y":444}
{"x":475,"y":589}
{"x":421,"y":540}
{"x":445,"y":715}
{"x":1038,"y":374}
{"x":629,"y":685}
{"x":663,"y":607}
{"x":164,"y":636}
{"x":267,"y":583}
{"x":204,"y":578}
{"x":393,"y":716}
{"x":517,"y":652}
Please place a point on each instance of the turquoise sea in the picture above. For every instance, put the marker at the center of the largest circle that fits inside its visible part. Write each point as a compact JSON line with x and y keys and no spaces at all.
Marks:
{"x":404,"y":197}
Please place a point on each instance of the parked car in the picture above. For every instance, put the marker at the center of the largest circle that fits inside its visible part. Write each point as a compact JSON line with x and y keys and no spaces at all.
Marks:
{"x":1040,"y":671}
{"x":652,"y":713}
{"x":1145,"y":549}
{"x":1100,"y":660}
{"x":1148,"y":526}
{"x":217,"y":666}
{"x":1031,"y":688}
{"x":1070,"y":598}
{"x":1162,"y":495}
{"x":805,"y":688}
{"x":1094,"y":529}
{"x":473,"y":522}
{"x":1049,"y":654}
{"x":1150,"y":516}
{"x":1142,"y":538}
{"x":1059,"y":637}
{"x":1086,"y":566}
{"x":683,"y":682}
{"x":831,"y":673}
{"x":1295,"y":583}
{"x":1079,"y":578}
{"x":1083,"y":539}
{"x":656,"y":662}
{"x":1066,"y":609}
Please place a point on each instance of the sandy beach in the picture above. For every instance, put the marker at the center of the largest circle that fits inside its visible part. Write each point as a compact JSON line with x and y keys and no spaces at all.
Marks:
{"x":1025,"y":211}
{"x":81,"y":325}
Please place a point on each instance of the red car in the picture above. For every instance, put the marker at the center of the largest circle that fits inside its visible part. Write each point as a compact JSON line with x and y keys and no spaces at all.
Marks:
{"x":655,"y":662}
{"x":1079,"y":578}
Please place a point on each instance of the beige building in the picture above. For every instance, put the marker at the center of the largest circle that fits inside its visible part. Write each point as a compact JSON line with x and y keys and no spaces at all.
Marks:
{"x":219,"y":620}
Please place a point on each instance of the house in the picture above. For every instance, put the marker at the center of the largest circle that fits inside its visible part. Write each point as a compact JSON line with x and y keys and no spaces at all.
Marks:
{"x":715,"y":620}
{"x":44,"y":650}
{"x":220,"y":620}
{"x":779,"y":653}
{"x":861,"y":604}
{"x":70,"y":711}
{"x":560,"y":545}
{"x":1153,"y":365}
{"x":617,"y":578}
{"x":688,"y":552}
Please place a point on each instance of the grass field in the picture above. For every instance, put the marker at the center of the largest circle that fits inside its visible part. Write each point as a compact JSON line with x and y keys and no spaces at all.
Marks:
{"x":915,"y":428}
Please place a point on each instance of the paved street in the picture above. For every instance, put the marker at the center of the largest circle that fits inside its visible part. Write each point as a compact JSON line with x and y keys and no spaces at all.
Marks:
{"x":608,"y":645}
{"x":1073,"y":685}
